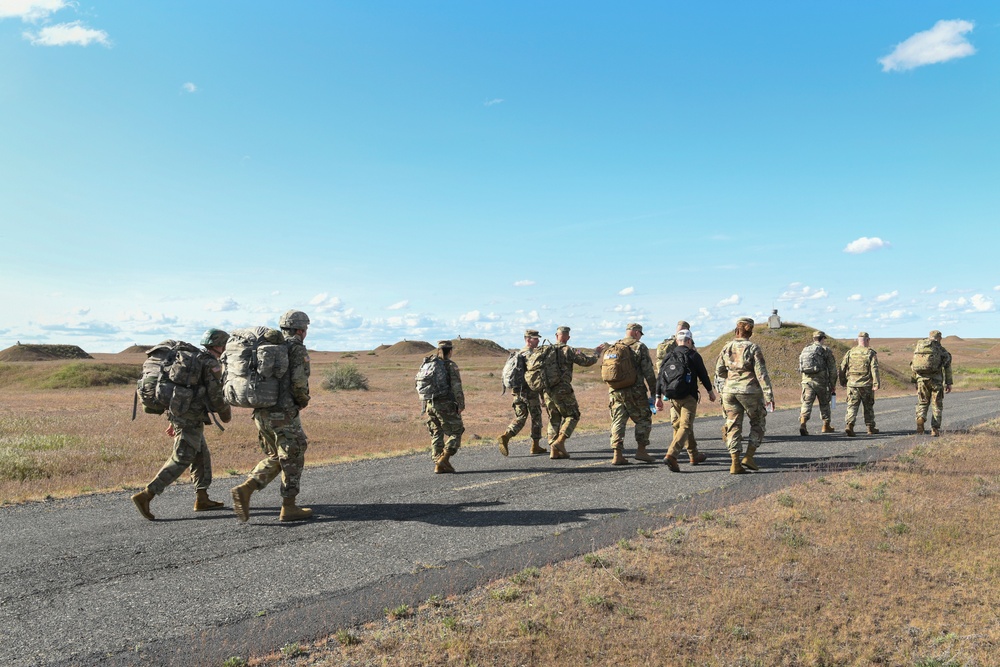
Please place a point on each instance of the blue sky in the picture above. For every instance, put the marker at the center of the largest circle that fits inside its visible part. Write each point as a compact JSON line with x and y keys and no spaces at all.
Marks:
{"x":422,"y":170}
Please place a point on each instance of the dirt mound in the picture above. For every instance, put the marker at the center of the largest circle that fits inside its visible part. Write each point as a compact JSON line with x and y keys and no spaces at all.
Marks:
{"x":478,"y":347}
{"x":382,"y":348}
{"x":136,"y":349}
{"x":953,"y":338}
{"x":43,"y":353}
{"x":405,"y":347}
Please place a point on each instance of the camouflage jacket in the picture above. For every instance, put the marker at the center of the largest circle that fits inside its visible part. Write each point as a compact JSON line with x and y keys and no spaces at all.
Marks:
{"x":859,"y":368}
{"x":741,"y":363}
{"x":943,"y":374}
{"x":645,"y":372}
{"x":828,"y":376}
{"x":663,"y":349}
{"x":293,"y":390}
{"x":569,"y":356}
{"x":210,"y":397}
{"x":455,"y":379}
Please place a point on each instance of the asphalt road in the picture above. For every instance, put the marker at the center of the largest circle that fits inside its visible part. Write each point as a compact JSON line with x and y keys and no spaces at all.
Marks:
{"x":87,"y":581}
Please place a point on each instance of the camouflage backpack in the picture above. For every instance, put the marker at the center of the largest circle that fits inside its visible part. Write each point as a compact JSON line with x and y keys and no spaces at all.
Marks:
{"x":171,"y":378}
{"x":811,"y":360}
{"x":255,"y":360}
{"x":432,"y":378}
{"x":512,"y":375}
{"x":927,"y":357}
{"x":544,"y":369}
{"x":618,"y":368}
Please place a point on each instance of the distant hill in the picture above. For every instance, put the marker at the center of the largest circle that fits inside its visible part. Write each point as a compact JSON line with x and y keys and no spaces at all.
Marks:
{"x":406,"y":347}
{"x":136,"y":349}
{"x":43,"y":353}
{"x":478,"y":347}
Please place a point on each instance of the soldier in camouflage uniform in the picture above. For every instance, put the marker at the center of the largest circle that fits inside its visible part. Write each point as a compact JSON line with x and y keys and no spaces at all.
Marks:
{"x":747,"y":390}
{"x":560,"y":400}
{"x":526,"y":403}
{"x":188,"y":432}
{"x":819,"y":385}
{"x":444,"y":415}
{"x":279,"y":429}
{"x":632,"y":402}
{"x":859,"y":373}
{"x":932,"y":386}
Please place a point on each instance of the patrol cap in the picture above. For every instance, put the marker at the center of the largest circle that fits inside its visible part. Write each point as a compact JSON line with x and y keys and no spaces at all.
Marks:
{"x":444,"y":345}
{"x":935,"y":334}
{"x":633,"y":326}
{"x":819,"y":335}
{"x":214,"y":338}
{"x":562,"y":330}
{"x":683,"y":325}
{"x":532,"y":333}
{"x":683,"y":335}
{"x":745,"y":320}
{"x":863,"y":334}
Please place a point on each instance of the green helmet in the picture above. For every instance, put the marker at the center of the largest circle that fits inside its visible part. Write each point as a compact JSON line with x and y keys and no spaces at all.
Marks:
{"x":294,"y":319}
{"x":214,"y":338}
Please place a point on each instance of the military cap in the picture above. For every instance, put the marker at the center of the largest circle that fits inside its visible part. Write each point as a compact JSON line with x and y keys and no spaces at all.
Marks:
{"x":632,"y":326}
{"x":745,"y":320}
{"x":936,"y":335}
{"x":683,"y":334}
{"x":863,"y":334}
{"x":444,"y":344}
{"x":819,"y":335}
{"x":532,"y":333}
{"x":683,"y":325}
{"x":562,"y":330}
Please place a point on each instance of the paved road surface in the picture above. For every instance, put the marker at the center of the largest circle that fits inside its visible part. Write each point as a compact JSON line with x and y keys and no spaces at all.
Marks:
{"x":87,"y":581}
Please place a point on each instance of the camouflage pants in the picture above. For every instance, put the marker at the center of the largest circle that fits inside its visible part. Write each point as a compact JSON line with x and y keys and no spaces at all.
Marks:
{"x":630,"y":403}
{"x":930,"y":394}
{"x":564,"y":411}
{"x":735,"y":406}
{"x":811,"y":391}
{"x":284,"y":444}
{"x":190,"y":451}
{"x":445,"y":426}
{"x":864,"y":396}
{"x":686,"y":410}
{"x":527,"y":405}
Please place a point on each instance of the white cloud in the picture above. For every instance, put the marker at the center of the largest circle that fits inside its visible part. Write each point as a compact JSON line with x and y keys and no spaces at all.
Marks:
{"x":222,"y":305}
{"x":897,"y":314}
{"x":981,"y":304}
{"x":882,"y":298}
{"x":524,"y":283}
{"x":67,"y":34}
{"x":324,"y":303}
{"x":30,"y":10}
{"x":399,"y":305}
{"x":865,"y":244}
{"x":734,"y":300}
{"x":628,"y":291}
{"x":189,"y":87}
{"x":996,"y":288}
{"x":803,"y":294}
{"x":627,"y":308}
{"x":854,"y":297}
{"x":945,"y":41}
{"x":80,"y":312}
{"x":492,"y":102}
{"x":932,"y":290}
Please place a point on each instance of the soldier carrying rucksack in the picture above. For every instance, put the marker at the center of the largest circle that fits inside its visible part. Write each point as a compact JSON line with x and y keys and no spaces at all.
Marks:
{"x":185,"y":383}
{"x":627,"y":369}
{"x":931,"y":371}
{"x":527,"y":402}
{"x":439,"y":386}
{"x":818,"y":367}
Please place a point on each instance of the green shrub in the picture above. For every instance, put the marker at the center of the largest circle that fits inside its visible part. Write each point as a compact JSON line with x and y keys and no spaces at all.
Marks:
{"x":346,"y":377}
{"x":20,"y":466}
{"x":80,"y":375}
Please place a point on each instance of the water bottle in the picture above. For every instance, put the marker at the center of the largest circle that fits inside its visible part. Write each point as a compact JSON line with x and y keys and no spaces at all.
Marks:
{"x":833,"y":401}
{"x":652,"y":404}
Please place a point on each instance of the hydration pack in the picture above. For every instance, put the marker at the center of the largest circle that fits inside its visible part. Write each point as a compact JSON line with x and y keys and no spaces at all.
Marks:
{"x":171,"y":378}
{"x":255,"y":360}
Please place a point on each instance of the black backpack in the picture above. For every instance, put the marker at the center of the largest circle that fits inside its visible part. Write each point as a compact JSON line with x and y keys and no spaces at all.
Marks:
{"x":675,"y":375}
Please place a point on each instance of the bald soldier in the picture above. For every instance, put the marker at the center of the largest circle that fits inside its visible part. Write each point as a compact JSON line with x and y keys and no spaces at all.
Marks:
{"x":527,"y":403}
{"x":931,"y":369}
{"x":859,"y":373}
{"x":818,"y":367}
{"x":560,"y":400}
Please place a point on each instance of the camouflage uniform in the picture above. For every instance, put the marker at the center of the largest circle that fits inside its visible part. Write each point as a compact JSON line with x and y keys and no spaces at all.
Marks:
{"x":819,"y":385}
{"x":190,"y":447}
{"x":526,"y":403}
{"x":560,"y":401}
{"x":444,"y":419}
{"x":747,"y":389}
{"x":930,"y":387}
{"x":279,"y":429}
{"x":859,"y":373}
{"x":633,"y":402}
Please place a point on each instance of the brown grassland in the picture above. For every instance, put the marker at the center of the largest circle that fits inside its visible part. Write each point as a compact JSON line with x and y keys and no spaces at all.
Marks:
{"x":65,"y":427}
{"x":895,"y":563}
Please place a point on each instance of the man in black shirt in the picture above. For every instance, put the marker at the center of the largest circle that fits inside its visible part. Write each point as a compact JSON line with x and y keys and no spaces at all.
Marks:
{"x":678,"y":381}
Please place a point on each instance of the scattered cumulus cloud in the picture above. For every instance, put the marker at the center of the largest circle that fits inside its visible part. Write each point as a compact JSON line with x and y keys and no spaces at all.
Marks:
{"x":982,"y":304}
{"x":30,"y":10}
{"x":734,"y":300}
{"x":324,"y":303}
{"x":68,"y":34}
{"x":882,"y":298}
{"x":524,"y":283}
{"x":977,"y":303}
{"x":996,"y":288}
{"x":226,"y":304}
{"x":865,"y":244}
{"x":804,"y":293}
{"x":628,"y":291}
{"x":399,"y":305}
{"x":945,"y":41}
{"x":627,"y":308}
{"x":475,"y":316}
{"x":493,"y":102}
{"x":854,"y":297}
{"x":189,"y":88}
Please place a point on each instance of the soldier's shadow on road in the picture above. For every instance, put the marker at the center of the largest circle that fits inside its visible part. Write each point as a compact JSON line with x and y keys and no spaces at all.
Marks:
{"x":472,"y":514}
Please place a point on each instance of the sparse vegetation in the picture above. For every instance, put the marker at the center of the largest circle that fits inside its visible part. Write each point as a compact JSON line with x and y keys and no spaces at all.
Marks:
{"x":346,"y":638}
{"x":345,"y":377}
{"x":400,"y":611}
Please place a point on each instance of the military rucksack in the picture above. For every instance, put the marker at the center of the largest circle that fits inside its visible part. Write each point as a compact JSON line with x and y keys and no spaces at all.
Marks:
{"x":544,"y":369}
{"x":432,"y":378}
{"x":675,"y":375}
{"x":811,"y":360}
{"x":512,"y":375}
{"x":255,"y":360}
{"x":171,"y":378}
{"x":928,"y":357}
{"x":618,"y":367}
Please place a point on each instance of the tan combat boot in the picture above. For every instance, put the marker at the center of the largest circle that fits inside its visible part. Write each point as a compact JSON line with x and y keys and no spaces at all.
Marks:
{"x":748,"y":461}
{"x":619,"y":459}
{"x":671,"y":462}
{"x":291,"y":512}
{"x":736,"y":468}
{"x":850,"y":430}
{"x":241,"y":498}
{"x":537,"y":449}
{"x":556,"y":448}
{"x":802,"y":427}
{"x":141,"y":501}
{"x":503,"y":440}
{"x":935,"y":432}
{"x":642,"y":455}
{"x":202,"y":502}
{"x":872,"y":430}
{"x":827,"y":426}
{"x":920,"y":425}
{"x":441,"y":464}
{"x":696,"y":457}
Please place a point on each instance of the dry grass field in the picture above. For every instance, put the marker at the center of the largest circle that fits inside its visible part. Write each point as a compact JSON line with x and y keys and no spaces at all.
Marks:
{"x":65,"y":426}
{"x":896,"y":563}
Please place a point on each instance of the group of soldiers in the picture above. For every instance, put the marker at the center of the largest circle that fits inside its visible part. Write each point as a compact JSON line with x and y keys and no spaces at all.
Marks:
{"x":741,"y":379}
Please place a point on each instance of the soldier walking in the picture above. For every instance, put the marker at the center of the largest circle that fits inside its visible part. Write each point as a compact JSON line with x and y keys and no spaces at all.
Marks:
{"x":931,"y":369}
{"x":443,"y":405}
{"x":560,"y":400}
{"x":632,"y":401}
{"x":527,"y":403}
{"x":818,"y":367}
{"x":859,"y":373}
